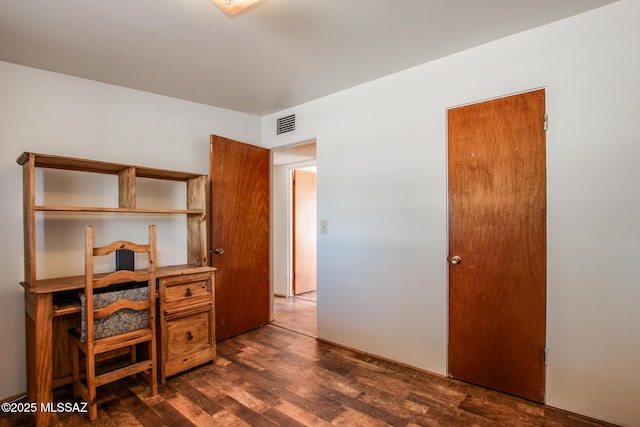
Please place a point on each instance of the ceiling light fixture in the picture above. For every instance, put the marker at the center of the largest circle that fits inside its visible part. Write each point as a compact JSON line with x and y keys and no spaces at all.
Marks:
{"x":234,"y":6}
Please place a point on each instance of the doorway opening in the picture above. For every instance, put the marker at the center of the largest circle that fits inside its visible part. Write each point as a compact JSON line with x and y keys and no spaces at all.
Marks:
{"x":294,"y":233}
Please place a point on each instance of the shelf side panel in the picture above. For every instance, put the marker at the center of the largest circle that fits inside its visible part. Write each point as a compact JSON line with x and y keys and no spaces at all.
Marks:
{"x":127,"y":188}
{"x":29,"y":221}
{"x":197,"y":224}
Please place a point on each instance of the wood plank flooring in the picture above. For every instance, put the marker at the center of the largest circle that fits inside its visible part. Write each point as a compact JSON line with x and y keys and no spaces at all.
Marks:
{"x":273,"y":376}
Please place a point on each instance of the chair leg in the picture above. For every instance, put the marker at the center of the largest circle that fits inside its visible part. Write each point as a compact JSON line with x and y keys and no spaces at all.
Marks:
{"x":134,"y":356}
{"x":91,"y":387}
{"x":75,"y":369}
{"x":153,"y":377}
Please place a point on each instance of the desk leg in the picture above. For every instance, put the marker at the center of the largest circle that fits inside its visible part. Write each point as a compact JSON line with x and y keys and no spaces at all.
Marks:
{"x":39,"y":329}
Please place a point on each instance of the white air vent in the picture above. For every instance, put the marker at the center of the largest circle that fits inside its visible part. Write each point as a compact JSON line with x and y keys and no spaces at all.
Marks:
{"x":286,"y":125}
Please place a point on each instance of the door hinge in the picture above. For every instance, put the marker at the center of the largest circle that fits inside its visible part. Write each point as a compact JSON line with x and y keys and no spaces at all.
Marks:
{"x":546,"y":356}
{"x":546,"y":122}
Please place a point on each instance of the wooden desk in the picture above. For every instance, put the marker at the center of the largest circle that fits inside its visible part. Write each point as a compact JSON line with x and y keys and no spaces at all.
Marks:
{"x":52,"y":307}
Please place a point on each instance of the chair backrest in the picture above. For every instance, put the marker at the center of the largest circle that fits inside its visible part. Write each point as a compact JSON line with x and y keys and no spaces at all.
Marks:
{"x":107,"y":312}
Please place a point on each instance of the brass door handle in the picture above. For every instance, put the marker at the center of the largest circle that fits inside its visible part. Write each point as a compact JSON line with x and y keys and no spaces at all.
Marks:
{"x":455,"y":260}
{"x":218,"y":251}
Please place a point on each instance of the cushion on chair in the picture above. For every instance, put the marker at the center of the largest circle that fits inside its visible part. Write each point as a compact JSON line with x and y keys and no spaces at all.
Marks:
{"x":122,"y":320}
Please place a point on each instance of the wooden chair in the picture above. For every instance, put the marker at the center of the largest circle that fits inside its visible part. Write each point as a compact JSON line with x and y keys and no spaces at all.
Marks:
{"x":114,"y":322}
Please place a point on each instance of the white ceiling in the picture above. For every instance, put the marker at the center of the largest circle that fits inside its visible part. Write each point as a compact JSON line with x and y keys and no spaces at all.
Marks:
{"x":276,"y":55}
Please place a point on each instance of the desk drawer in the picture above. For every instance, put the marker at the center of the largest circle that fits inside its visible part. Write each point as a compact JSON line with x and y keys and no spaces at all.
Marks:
{"x":186,"y":322}
{"x":186,"y":290}
{"x":189,"y":342}
{"x":187,"y":334}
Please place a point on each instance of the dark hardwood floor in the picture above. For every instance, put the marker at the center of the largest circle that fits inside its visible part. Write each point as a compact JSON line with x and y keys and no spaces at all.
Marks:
{"x":273,"y":376}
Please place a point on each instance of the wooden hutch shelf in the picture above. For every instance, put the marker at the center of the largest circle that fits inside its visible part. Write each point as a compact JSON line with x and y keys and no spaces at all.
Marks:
{"x":117,"y":210}
{"x":96,"y":166}
{"x":186,"y":292}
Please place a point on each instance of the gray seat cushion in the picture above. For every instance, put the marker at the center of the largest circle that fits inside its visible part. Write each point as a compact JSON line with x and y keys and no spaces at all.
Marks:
{"x":122,"y":320}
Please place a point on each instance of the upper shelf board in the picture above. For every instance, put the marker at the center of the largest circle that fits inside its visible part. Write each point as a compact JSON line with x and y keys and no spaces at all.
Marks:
{"x":84,"y":165}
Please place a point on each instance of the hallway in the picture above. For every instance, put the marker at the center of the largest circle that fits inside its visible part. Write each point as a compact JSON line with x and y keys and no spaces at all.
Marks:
{"x":297,"y":313}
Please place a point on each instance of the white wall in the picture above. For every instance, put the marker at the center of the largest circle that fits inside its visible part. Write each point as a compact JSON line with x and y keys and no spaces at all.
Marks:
{"x":381,"y":155}
{"x":50,"y":113}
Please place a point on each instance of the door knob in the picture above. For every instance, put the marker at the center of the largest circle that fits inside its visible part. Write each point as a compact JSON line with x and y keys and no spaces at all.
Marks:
{"x":455,"y":260}
{"x":218,"y":251}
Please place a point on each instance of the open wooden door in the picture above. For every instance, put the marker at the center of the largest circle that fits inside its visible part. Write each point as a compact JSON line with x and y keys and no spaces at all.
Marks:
{"x":240,"y":235}
{"x":497,"y":244}
{"x":304,"y":232}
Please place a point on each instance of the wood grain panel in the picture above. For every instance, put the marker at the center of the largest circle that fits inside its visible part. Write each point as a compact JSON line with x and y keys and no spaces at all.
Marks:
{"x":197,"y":237}
{"x":240,"y":226}
{"x":497,"y":226}
{"x":187,"y":334}
{"x":86,"y":165}
{"x":61,"y":358}
{"x":127,"y":188}
{"x":304,"y":232}
{"x":39,"y":330}
{"x":29,"y":219}
{"x":187,"y":292}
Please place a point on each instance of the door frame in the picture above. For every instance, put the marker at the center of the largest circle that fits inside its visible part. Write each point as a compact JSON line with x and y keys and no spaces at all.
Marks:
{"x":448,"y":249}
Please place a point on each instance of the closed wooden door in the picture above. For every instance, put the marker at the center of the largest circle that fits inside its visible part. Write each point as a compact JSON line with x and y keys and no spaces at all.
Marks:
{"x":497,"y":244}
{"x":240,"y":235}
{"x":304,"y":232}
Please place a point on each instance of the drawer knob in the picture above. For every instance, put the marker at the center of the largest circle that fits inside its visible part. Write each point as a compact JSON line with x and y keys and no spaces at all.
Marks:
{"x":189,"y":293}
{"x":189,"y":336}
